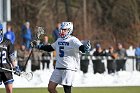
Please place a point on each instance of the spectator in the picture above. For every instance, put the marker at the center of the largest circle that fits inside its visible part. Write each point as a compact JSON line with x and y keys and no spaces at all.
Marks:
{"x":84,"y":63}
{"x":35,"y":60}
{"x":121,"y":57}
{"x":22,"y":57}
{"x":131,"y":58}
{"x":26,"y":35}
{"x":84,"y":60}
{"x":55,"y":33}
{"x":46,"y":56}
{"x":10,"y":34}
{"x":137,"y":54}
{"x":98,"y":64}
{"x":111,"y":61}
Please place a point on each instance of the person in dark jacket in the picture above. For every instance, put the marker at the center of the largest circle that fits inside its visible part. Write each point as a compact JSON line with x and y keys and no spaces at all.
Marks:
{"x":98,"y":64}
{"x":111,"y":60}
{"x":84,"y":60}
{"x":46,"y":56}
{"x":55,"y":33}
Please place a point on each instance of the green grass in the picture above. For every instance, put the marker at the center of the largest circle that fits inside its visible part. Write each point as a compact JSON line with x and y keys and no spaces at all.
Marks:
{"x":79,"y":90}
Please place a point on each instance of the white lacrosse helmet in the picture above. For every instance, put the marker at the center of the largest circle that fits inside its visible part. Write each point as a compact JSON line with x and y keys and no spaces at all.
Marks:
{"x":68,"y":27}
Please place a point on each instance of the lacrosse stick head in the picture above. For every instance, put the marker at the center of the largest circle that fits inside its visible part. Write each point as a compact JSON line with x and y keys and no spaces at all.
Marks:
{"x":26,"y":75}
{"x":40,"y":33}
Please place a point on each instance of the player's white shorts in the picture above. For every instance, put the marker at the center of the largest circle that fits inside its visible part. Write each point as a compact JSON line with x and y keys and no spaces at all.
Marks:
{"x":63,"y":77}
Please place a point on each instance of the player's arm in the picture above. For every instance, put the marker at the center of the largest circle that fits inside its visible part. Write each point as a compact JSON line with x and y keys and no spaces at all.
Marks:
{"x":47,"y":48}
{"x":12,"y":58}
{"x":11,"y":54}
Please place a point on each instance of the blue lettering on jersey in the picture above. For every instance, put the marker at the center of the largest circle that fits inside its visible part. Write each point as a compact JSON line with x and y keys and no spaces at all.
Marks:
{"x":61,"y":51}
{"x":63,"y":43}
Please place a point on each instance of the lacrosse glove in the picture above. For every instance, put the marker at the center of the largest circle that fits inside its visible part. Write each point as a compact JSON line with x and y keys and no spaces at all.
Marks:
{"x":88,"y":47}
{"x":17,"y":70}
{"x":35,"y":44}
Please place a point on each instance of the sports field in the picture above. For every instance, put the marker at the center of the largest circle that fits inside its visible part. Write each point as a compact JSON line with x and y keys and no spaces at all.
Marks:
{"x":79,"y":90}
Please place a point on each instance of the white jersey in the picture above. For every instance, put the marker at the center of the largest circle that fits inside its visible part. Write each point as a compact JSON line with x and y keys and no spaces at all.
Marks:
{"x":67,"y":52}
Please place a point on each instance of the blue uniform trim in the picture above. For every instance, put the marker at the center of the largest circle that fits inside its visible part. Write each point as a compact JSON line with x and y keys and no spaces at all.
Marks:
{"x":1,"y":27}
{"x":9,"y":81}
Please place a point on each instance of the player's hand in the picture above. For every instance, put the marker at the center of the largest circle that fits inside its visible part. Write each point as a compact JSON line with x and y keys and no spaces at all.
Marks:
{"x":33,"y":44}
{"x":17,"y":70}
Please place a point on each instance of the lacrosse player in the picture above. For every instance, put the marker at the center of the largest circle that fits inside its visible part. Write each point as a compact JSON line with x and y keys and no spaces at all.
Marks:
{"x":7,"y":59}
{"x":67,"y":49}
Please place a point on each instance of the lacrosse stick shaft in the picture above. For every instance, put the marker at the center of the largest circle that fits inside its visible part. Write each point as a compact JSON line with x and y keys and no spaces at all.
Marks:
{"x":9,"y":70}
{"x":28,"y":76}
{"x":28,"y":59}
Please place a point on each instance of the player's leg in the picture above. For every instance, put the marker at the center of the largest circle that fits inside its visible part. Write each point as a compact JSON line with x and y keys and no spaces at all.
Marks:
{"x":54,"y":80}
{"x":67,"y":89}
{"x":52,"y":87}
{"x":67,"y":80}
{"x":7,"y":78}
{"x":9,"y":88}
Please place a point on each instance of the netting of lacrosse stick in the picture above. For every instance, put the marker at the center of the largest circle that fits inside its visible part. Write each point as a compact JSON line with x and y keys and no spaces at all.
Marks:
{"x":40,"y":32}
{"x":26,"y":75}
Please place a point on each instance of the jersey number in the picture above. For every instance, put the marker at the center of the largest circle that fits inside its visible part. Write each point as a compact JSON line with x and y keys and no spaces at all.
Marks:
{"x":61,"y":51}
{"x":3,"y":55}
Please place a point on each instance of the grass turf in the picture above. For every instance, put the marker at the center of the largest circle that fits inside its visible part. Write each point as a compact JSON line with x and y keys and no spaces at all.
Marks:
{"x":79,"y":90}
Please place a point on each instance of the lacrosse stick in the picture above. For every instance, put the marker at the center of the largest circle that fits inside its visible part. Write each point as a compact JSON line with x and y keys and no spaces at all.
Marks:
{"x":26,"y":75}
{"x":39,"y":35}
{"x":28,"y":59}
